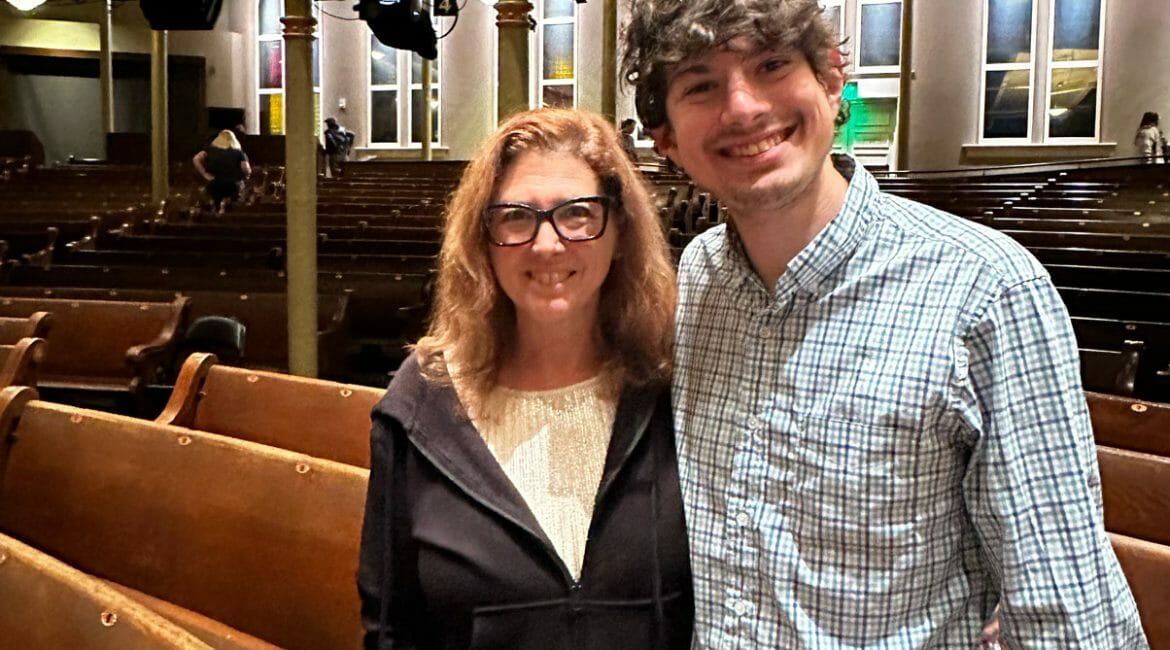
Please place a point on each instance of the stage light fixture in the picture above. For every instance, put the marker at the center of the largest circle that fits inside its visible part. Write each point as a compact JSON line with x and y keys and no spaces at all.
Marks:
{"x":172,"y":15}
{"x":397,"y":25}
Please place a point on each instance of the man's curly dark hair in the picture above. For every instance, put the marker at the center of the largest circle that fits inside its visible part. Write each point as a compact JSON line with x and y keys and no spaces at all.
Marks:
{"x":662,"y":33}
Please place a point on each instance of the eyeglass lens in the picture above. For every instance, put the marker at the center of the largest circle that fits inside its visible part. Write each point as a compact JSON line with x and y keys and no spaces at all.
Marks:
{"x":573,"y":221}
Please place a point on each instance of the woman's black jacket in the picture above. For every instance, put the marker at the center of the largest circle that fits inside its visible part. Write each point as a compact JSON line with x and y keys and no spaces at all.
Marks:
{"x":451,"y":557}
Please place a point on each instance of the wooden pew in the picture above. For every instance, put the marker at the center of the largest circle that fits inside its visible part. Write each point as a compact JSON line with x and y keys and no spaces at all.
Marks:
{"x":45,"y":603}
{"x":14,"y":328}
{"x":1130,"y":424}
{"x":261,"y":539}
{"x":1147,"y":568}
{"x":104,"y":346}
{"x":310,"y":416}
{"x":21,"y":361}
{"x":1136,"y":491}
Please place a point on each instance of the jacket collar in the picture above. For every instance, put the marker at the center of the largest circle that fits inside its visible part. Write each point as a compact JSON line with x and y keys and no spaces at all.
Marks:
{"x":437,"y":425}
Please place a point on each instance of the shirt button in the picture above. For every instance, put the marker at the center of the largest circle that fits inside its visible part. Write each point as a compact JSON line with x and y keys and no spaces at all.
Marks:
{"x":756,"y":422}
{"x":743,"y":519}
{"x":766,"y":332}
{"x":741,"y":607}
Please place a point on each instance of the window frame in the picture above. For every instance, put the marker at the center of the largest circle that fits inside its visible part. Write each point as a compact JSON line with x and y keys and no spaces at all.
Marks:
{"x":860,"y":36}
{"x":538,"y":53}
{"x":404,"y":87}
{"x":279,"y":38}
{"x":1069,"y":65}
{"x":985,"y":67}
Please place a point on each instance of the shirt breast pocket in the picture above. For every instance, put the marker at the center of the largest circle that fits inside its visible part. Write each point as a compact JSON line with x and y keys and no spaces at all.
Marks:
{"x":854,"y":486}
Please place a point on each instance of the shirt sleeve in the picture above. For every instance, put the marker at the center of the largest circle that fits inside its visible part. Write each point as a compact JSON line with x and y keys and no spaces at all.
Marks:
{"x":1032,"y":485}
{"x":378,"y":552}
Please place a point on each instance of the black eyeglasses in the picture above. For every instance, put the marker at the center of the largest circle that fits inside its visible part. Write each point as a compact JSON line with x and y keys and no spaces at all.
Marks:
{"x":515,"y":224}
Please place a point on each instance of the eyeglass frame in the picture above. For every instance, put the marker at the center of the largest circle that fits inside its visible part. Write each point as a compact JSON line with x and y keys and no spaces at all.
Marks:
{"x":547,"y":215}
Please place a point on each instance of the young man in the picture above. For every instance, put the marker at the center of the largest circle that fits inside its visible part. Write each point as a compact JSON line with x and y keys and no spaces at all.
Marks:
{"x":882,"y":432}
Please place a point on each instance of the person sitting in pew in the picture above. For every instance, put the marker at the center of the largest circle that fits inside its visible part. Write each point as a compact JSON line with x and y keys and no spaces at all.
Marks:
{"x":523,"y":486}
{"x":224,"y":165}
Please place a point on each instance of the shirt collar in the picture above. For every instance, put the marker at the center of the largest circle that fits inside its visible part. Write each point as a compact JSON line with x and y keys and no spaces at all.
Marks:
{"x":827,"y":251}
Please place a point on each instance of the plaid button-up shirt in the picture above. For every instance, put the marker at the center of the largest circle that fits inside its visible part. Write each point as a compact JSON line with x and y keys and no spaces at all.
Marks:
{"x":890,"y":443}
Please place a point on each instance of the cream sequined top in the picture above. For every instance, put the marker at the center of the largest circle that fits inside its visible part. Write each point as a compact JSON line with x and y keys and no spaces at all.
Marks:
{"x":552,"y":445}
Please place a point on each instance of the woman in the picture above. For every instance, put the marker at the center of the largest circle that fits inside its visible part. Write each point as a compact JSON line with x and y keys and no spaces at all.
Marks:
{"x":224,"y":166}
{"x":1148,"y":139}
{"x":523,"y":490}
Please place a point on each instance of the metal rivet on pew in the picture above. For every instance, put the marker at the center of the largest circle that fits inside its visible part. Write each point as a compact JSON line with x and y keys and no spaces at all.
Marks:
{"x":3,"y":557}
{"x":109,"y":618}
{"x":243,"y":296}
{"x":184,"y":440}
{"x":302,"y":468}
{"x":1146,"y":224}
{"x":76,"y":418}
{"x":143,"y":307}
{"x":345,"y":392}
{"x":253,"y":379}
{"x":1138,"y":408}
{"x":75,"y":305}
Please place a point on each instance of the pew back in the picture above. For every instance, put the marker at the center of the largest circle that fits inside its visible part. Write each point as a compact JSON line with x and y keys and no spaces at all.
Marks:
{"x":261,"y":539}
{"x":310,"y":416}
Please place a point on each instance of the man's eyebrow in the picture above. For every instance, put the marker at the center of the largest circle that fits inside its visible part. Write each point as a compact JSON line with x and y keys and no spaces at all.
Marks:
{"x":694,"y":67}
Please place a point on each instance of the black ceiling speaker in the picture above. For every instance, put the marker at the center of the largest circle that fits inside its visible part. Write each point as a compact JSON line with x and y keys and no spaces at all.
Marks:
{"x":181,"y":14}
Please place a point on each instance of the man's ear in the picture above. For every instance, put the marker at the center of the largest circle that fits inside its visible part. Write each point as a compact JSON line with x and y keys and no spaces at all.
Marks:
{"x":833,"y":80}
{"x":664,"y":141}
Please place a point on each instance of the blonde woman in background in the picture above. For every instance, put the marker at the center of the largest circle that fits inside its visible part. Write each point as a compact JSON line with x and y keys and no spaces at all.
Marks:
{"x":224,"y":165}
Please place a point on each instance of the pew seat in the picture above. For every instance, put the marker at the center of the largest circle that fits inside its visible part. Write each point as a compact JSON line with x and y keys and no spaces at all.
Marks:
{"x":45,"y":603}
{"x":309,"y":416}
{"x":260,"y":539}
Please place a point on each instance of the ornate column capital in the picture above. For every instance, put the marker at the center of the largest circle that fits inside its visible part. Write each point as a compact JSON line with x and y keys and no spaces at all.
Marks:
{"x":513,"y":13}
{"x":299,"y":26}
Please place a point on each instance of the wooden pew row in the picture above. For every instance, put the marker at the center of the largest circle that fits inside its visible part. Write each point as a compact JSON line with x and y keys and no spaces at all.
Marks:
{"x":1106,"y":241}
{"x":309,"y":416}
{"x":105,"y":346}
{"x":1112,"y":226}
{"x":263,"y":540}
{"x":1116,"y":258}
{"x":1107,"y":277}
{"x":273,"y":260}
{"x":233,"y":229}
{"x":264,"y":314}
{"x":45,"y":603}
{"x":373,"y":306}
{"x":1121,"y":305}
{"x":244,"y":241}
{"x":1133,"y":443}
{"x":1147,"y":569}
